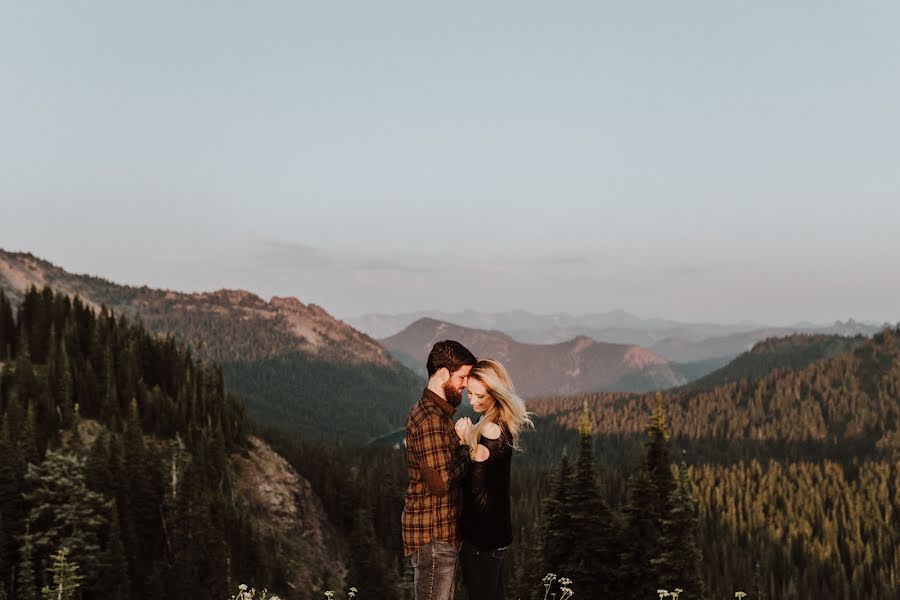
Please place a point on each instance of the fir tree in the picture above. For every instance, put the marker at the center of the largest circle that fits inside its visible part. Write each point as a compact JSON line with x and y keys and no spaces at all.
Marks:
{"x":639,"y":542}
{"x":590,"y":560}
{"x":114,"y":581}
{"x":28,"y":446}
{"x":65,"y":385}
{"x":657,"y":461}
{"x":26,"y":584}
{"x":7,"y":329}
{"x":556,"y":540}
{"x":12,"y":505}
{"x":649,"y":503}
{"x":65,"y":577}
{"x":370,"y":569}
{"x":63,"y":511}
{"x":680,"y":562}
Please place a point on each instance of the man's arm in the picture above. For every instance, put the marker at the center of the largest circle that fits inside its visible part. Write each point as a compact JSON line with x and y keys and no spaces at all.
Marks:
{"x":443,"y":461}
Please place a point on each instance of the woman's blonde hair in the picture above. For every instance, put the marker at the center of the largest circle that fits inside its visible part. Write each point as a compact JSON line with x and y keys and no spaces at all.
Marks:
{"x":508,"y":408}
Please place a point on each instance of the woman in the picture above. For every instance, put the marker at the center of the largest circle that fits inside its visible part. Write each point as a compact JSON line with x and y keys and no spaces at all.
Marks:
{"x":485,"y":522}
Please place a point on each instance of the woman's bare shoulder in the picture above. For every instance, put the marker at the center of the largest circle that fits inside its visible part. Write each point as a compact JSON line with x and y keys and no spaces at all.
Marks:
{"x":491,"y":431}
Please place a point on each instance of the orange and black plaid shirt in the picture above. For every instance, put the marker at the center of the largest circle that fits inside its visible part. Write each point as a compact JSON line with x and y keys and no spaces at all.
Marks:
{"x":436,"y":463}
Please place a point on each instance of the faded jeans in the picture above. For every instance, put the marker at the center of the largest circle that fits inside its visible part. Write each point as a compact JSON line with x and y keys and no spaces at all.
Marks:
{"x":434,"y":567}
{"x":482,"y":572}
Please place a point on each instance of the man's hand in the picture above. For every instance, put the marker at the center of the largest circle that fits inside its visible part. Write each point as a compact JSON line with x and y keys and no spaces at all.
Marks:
{"x":462,"y":428}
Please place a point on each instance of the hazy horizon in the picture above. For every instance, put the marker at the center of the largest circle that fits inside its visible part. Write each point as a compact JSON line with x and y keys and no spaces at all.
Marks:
{"x":706,"y":162}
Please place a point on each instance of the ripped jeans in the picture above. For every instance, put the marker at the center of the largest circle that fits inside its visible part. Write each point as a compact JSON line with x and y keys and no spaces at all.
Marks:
{"x":482,"y":572}
{"x":434,"y":567}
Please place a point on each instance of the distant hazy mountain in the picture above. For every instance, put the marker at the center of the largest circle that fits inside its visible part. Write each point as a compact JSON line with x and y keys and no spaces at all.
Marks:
{"x":683,"y":350}
{"x":616,"y":326}
{"x":294,"y":365}
{"x":578,"y":365}
{"x":674,"y":341}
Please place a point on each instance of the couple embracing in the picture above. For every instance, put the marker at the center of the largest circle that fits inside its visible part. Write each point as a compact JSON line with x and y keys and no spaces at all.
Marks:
{"x":457,"y":499}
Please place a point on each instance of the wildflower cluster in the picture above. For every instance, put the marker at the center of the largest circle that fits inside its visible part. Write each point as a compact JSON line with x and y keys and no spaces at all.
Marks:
{"x":351,"y":593}
{"x":249,"y":593}
{"x":564,"y":586}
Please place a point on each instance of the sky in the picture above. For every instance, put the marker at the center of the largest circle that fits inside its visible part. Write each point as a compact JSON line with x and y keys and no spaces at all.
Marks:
{"x":714,"y":161}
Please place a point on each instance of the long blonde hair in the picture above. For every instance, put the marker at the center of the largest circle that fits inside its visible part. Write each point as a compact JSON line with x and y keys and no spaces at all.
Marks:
{"x":508,"y":408}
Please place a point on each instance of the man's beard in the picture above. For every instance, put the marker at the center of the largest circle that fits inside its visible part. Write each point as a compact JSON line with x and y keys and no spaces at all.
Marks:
{"x":453,"y":395}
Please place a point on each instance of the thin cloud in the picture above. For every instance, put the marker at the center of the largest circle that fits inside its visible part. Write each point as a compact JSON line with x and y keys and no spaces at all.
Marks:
{"x":557,"y":260}
{"x":393,"y":265}
{"x":698,"y":269}
{"x":294,"y":255}
{"x":297,"y":255}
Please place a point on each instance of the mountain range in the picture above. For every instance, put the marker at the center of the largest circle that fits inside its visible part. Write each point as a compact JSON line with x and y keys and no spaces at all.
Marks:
{"x":293,"y":364}
{"x":798,"y":398}
{"x":298,"y":368}
{"x":577,"y":365}
{"x":224,"y":325}
{"x":675,"y":341}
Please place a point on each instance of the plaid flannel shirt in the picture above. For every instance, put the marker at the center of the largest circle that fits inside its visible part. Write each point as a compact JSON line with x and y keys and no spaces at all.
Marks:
{"x":436,"y":463}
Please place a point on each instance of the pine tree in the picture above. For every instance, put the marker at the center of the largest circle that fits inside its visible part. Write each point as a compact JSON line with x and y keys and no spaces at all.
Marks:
{"x":7,"y":329}
{"x":640,"y":541}
{"x":25,"y":383}
{"x":28,"y":447}
{"x":590,"y":560}
{"x":26,"y":584}
{"x":145,"y":487}
{"x":680,"y":562}
{"x":370,"y":569}
{"x":658,"y":462}
{"x":65,"y":386}
{"x":114,"y":581}
{"x":650,"y":491}
{"x":65,"y":577}
{"x":12,"y":505}
{"x":109,"y":404}
{"x":63,"y":511}
{"x":556,"y":542}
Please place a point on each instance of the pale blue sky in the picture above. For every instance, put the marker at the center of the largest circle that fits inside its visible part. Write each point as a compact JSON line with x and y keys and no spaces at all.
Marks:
{"x":693,"y":160}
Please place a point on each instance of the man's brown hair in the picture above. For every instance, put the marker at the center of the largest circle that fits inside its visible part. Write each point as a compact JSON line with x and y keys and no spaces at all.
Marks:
{"x":450,"y":354}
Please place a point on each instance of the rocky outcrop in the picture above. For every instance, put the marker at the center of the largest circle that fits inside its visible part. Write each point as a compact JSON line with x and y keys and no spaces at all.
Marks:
{"x":290,"y":515}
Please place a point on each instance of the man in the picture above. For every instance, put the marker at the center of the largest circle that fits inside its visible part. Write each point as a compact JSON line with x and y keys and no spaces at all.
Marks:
{"x":437,"y":459}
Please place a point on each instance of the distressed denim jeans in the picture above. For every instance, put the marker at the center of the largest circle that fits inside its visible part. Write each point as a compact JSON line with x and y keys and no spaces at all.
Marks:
{"x":434,"y":568}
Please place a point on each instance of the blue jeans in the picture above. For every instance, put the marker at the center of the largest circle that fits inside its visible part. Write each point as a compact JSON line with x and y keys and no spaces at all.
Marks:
{"x":482,"y":572}
{"x":434,"y":568}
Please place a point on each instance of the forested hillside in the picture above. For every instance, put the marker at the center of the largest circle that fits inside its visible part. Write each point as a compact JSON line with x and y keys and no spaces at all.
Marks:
{"x":125,"y":449}
{"x":293,"y":363}
{"x":795,"y":475}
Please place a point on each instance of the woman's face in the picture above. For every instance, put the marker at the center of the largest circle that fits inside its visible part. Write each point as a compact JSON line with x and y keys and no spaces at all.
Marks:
{"x":479,"y":397}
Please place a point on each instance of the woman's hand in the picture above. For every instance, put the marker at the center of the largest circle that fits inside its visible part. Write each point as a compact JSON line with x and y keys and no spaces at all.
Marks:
{"x":462,"y":428}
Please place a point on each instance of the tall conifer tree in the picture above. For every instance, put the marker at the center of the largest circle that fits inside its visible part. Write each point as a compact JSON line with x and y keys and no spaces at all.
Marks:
{"x":556,"y":541}
{"x":590,"y":561}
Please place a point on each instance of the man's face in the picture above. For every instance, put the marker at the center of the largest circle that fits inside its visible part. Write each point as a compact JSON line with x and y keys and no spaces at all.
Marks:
{"x":456,"y":384}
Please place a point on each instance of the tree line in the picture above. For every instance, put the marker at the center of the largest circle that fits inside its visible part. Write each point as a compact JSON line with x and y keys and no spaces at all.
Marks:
{"x":114,"y":448}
